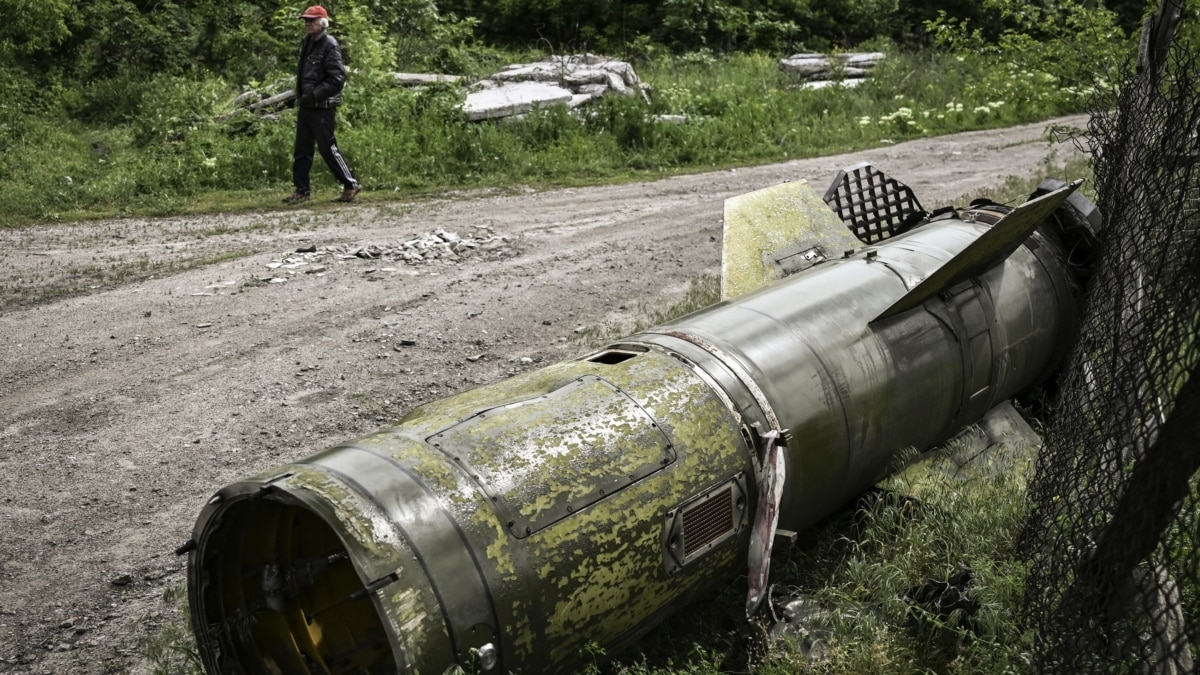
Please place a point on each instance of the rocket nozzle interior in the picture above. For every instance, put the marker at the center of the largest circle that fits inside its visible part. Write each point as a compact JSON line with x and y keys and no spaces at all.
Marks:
{"x":271,"y":609}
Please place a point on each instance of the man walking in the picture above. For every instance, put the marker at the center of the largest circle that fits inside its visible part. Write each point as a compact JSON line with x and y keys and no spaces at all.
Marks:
{"x":320,"y":77}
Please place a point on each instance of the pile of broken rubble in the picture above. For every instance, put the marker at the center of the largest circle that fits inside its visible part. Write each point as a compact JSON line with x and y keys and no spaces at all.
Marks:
{"x":820,"y":70}
{"x":570,"y":80}
{"x":428,"y":247}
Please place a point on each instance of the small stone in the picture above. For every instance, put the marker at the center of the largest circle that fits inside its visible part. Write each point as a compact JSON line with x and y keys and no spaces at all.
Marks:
{"x":311,"y":248}
{"x":122,"y":580}
{"x":526,"y":359}
{"x":475,"y":357}
{"x":203,"y":325}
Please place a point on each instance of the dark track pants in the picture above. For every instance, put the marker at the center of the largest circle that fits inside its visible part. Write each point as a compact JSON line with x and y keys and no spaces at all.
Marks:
{"x":315,"y":125}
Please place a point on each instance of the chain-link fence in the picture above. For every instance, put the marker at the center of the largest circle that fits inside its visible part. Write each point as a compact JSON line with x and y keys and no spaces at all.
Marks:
{"x":1112,"y":539}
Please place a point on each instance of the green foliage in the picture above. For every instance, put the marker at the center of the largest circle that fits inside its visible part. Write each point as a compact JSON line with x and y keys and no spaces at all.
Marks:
{"x":127,"y":39}
{"x":238,"y":40}
{"x":1072,"y":42}
{"x":171,"y":648}
{"x":33,"y":27}
{"x":681,"y":25}
{"x":97,"y":59}
{"x":175,"y":147}
{"x":365,"y":43}
{"x":727,"y":26}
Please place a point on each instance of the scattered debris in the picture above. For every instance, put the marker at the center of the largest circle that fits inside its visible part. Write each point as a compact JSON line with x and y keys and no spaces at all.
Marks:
{"x":439,"y":245}
{"x":801,"y":618}
{"x":265,"y":102}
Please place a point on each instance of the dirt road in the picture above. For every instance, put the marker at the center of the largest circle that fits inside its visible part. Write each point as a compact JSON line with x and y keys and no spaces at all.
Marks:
{"x":135,"y":381}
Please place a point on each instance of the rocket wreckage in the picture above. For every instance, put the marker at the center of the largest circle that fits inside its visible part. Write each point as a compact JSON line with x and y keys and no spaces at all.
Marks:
{"x":507,"y":528}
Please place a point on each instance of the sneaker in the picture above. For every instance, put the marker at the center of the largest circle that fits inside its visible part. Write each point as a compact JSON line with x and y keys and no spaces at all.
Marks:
{"x":348,"y":193}
{"x":296,"y":197}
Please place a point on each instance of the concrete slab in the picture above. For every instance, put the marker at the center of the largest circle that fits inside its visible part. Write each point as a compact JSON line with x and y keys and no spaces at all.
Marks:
{"x":513,"y":98}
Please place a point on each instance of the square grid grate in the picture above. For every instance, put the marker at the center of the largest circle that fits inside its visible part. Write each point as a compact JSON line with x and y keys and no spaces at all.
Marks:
{"x":873,"y":205}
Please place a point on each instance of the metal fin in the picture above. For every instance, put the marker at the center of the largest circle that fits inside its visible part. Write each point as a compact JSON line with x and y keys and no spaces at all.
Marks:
{"x":995,"y":245}
{"x":777,"y":231}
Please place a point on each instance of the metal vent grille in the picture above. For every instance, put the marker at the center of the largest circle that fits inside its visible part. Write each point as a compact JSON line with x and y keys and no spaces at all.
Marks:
{"x":873,"y":205}
{"x":707,"y":522}
{"x":703,"y":522}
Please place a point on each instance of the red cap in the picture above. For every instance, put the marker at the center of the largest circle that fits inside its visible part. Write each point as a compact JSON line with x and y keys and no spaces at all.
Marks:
{"x":315,"y":12}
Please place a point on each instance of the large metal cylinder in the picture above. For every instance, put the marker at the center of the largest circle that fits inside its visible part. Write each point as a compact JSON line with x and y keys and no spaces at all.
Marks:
{"x":851,"y":393}
{"x":509,"y":527}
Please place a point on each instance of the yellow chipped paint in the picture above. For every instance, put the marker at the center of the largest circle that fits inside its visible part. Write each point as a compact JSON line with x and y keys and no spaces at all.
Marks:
{"x":602,"y":568}
{"x":407,"y":612}
{"x":500,"y":550}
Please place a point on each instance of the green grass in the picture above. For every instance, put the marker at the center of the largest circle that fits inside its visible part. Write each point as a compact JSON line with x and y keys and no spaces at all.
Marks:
{"x":170,"y":649}
{"x":174,"y":157}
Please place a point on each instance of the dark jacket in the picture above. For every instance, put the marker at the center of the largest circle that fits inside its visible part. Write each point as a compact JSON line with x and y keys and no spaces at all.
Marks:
{"x":320,"y":74}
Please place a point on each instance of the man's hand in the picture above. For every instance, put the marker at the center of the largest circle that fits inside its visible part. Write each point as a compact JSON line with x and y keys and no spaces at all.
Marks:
{"x":307,"y":101}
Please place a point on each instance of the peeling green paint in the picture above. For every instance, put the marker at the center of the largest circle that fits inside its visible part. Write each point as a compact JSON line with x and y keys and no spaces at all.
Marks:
{"x":410,"y":616}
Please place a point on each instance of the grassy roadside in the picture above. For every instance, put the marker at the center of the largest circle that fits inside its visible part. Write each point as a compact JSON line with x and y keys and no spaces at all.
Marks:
{"x":175,"y":157}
